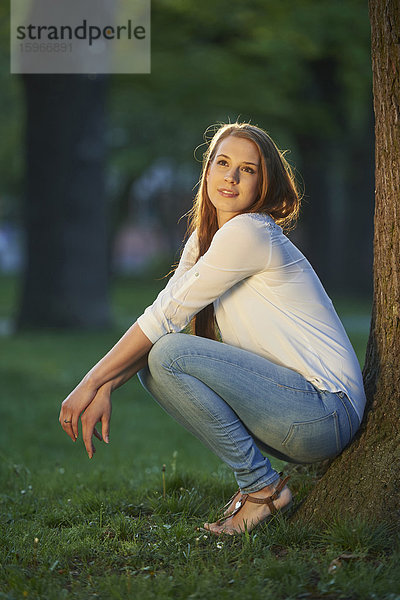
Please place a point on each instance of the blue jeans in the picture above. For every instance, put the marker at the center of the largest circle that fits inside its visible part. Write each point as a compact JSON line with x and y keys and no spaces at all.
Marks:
{"x":238,"y":403}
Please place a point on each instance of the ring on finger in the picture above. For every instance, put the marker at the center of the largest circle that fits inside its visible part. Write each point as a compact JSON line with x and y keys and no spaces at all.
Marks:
{"x":67,"y":421}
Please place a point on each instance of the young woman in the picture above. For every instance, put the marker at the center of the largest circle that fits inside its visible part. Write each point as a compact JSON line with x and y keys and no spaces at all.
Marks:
{"x":284,"y":377}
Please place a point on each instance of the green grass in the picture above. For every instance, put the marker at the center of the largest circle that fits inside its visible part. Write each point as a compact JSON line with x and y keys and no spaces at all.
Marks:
{"x":74,"y":528}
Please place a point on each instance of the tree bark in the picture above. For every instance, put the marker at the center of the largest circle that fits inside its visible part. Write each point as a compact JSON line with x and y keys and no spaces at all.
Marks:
{"x":365,"y":479}
{"x":65,"y":281}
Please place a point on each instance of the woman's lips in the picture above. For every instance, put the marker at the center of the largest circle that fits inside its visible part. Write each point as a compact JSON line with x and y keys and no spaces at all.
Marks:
{"x":227,"y":193}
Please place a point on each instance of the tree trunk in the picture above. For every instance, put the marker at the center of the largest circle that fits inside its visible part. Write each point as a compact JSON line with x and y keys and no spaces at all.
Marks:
{"x":65,"y":281}
{"x":365,"y":479}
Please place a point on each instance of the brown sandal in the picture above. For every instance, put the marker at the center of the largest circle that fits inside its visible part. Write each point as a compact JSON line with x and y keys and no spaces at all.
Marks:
{"x":231,"y":499}
{"x":269,"y":501}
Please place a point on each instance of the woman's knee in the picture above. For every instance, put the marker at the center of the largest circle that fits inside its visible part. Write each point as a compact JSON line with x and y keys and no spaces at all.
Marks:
{"x":166,"y":350}
{"x":143,"y":376}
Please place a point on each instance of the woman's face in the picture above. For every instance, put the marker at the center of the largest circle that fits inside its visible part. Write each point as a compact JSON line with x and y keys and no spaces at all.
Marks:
{"x":232,"y":177}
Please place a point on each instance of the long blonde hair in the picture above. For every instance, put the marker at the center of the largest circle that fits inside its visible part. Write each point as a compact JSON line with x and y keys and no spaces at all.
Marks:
{"x":277,"y":196}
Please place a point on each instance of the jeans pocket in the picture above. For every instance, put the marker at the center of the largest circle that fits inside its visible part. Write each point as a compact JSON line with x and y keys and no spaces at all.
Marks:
{"x":312,"y":441}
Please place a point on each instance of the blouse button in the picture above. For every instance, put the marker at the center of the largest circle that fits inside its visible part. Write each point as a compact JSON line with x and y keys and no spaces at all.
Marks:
{"x":196,"y":274}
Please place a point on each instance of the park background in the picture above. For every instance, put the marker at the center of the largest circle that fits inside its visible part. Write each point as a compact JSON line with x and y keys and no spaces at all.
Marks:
{"x":95,"y":173}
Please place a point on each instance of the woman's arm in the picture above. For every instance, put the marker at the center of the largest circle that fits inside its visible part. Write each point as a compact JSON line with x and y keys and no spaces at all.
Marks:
{"x":239,"y":249}
{"x":123,"y":361}
{"x":92,"y":395}
{"x":128,"y":373}
{"x":126,"y":353}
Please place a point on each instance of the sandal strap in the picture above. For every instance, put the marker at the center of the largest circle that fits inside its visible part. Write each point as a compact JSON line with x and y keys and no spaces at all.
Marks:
{"x":269,"y":501}
{"x":231,"y":498}
{"x":239,"y":505}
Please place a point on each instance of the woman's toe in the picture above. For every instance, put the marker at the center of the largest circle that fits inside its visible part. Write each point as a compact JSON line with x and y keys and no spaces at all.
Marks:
{"x":213,"y":528}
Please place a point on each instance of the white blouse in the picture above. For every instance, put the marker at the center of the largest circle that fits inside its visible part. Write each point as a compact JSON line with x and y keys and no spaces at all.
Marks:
{"x":267,"y":299}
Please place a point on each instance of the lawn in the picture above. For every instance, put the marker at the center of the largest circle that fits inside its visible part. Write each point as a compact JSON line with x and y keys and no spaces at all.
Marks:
{"x":107,"y":528}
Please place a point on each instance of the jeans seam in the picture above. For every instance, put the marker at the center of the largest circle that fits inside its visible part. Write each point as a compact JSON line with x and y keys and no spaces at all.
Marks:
{"x":231,"y":363}
{"x":339,"y":446}
{"x":348,"y":417}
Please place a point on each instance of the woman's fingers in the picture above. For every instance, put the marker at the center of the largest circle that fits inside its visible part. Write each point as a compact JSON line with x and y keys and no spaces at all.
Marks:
{"x":97,"y":434}
{"x":105,"y":425}
{"x":69,"y":421}
{"x":73,"y":405}
{"x":89,"y":421}
{"x":89,"y":429}
{"x":66,"y":423}
{"x":87,"y":436}
{"x":74,"y":426}
{"x":69,"y":431}
{"x":96,"y":411}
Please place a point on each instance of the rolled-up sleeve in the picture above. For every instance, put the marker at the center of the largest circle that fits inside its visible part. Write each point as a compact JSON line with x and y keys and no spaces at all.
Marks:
{"x":238,"y":250}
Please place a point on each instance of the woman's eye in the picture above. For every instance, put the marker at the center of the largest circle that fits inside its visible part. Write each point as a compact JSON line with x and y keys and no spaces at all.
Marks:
{"x":224,"y":163}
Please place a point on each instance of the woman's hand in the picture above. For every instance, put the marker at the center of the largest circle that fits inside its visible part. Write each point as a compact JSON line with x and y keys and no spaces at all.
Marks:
{"x":74,"y":405}
{"x":123,"y":361}
{"x":99,"y":410}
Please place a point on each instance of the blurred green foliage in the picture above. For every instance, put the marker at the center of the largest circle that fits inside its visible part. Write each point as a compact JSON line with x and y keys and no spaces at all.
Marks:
{"x":293,"y":67}
{"x":259,"y":60}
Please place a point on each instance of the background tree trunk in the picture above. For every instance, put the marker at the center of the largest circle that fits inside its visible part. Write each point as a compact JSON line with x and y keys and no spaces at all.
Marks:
{"x":335,"y":231}
{"x":365,"y":479}
{"x":65,"y":281}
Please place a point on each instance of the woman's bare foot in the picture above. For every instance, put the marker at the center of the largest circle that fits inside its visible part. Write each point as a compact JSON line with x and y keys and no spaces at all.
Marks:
{"x":250,"y":514}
